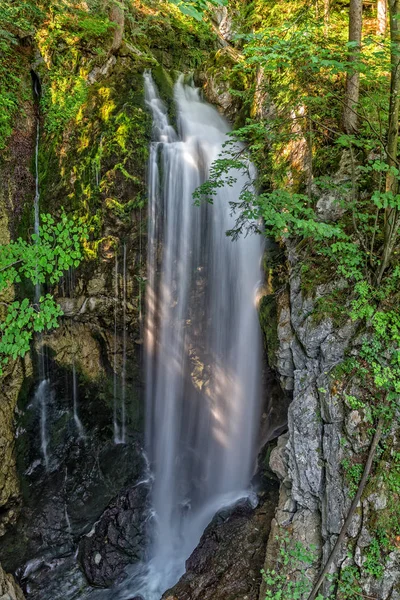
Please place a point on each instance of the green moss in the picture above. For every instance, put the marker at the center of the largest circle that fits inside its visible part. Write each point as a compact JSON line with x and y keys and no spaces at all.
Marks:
{"x":353,"y":470}
{"x":269,"y":324}
{"x":165,"y":84}
{"x":315,"y":270}
{"x":332,"y":306}
{"x":16,"y":19}
{"x":98,"y":168}
{"x":93,"y":149}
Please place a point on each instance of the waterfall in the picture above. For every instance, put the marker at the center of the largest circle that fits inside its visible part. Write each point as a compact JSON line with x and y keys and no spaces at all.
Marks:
{"x":43,"y":390}
{"x":202,"y":338}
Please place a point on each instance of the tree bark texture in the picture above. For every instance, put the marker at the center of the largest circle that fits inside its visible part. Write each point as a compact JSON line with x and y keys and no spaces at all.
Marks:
{"x":353,"y":75}
{"x":392,"y":217}
{"x":381,"y":17}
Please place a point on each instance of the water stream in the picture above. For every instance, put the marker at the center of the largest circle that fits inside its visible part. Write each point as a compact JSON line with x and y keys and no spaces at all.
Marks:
{"x":115,"y":366}
{"x":124,"y":343}
{"x":36,"y":202}
{"x":119,"y":390}
{"x":42,"y":393}
{"x":202,"y":340}
{"x":78,"y":422}
{"x":43,"y":389}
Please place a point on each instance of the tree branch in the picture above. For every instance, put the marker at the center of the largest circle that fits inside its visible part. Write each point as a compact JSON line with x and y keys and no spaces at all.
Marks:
{"x":375,"y":441}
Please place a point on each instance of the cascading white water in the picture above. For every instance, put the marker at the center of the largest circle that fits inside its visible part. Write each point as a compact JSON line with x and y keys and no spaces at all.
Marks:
{"x":202,"y":342}
{"x":202,"y":339}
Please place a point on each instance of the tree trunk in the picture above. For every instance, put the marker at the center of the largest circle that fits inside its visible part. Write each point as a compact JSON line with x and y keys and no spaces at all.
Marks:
{"x":393,"y":132}
{"x":381,"y":17}
{"x":392,"y":184}
{"x":117,"y":16}
{"x":353,"y":75}
{"x":326,"y":15}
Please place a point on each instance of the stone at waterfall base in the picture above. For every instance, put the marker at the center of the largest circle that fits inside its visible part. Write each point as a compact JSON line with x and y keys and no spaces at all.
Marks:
{"x":227,"y":562}
{"x":118,"y":538}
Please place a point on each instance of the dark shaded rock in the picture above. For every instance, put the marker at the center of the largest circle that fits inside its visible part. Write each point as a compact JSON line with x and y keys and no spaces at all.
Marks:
{"x":65,"y":505}
{"x":118,"y":538}
{"x":86,"y":472}
{"x":227,"y":562}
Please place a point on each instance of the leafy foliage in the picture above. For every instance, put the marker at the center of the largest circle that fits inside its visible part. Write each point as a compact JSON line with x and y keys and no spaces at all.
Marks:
{"x":297,"y":64}
{"x":299,"y":559}
{"x":58,"y":247}
{"x":196,"y":8}
{"x":300,"y":68}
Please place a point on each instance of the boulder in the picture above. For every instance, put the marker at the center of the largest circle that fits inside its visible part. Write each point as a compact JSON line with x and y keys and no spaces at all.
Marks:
{"x":119,"y":538}
{"x":227,"y":561}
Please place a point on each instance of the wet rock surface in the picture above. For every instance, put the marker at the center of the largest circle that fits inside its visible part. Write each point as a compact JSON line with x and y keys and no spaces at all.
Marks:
{"x":227,"y":561}
{"x":119,"y":537}
{"x":86,"y":472}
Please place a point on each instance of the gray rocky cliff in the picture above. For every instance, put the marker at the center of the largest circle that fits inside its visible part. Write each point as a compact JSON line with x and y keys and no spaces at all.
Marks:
{"x":325,"y":435}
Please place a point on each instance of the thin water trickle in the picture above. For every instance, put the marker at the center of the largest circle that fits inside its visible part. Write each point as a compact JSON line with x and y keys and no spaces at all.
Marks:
{"x":115,"y":375}
{"x":97,"y":162}
{"x":78,"y":422}
{"x":124,"y":344}
{"x":41,"y":398}
{"x":119,"y":413}
{"x":43,"y":389}
{"x":36,"y":203}
{"x":67,"y":519}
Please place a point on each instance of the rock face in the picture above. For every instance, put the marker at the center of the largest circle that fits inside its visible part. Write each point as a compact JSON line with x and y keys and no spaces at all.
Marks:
{"x":9,"y":590}
{"x":11,"y":383}
{"x":323,"y":432}
{"x":118,"y":538}
{"x":86,"y":469}
{"x":9,"y":486}
{"x":227,"y":561}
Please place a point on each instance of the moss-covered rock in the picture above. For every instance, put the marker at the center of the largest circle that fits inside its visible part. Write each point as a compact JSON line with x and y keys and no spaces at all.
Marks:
{"x":11,"y":383}
{"x":269,"y":324}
